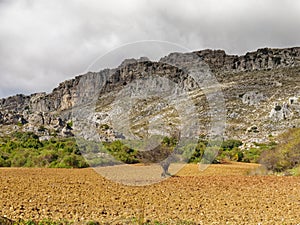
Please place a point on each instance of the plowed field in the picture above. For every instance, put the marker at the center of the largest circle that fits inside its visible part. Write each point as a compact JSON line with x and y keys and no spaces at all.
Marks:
{"x":221,"y":194}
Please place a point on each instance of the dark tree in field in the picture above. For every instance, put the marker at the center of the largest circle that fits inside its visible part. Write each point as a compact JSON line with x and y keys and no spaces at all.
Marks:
{"x":163,"y":154}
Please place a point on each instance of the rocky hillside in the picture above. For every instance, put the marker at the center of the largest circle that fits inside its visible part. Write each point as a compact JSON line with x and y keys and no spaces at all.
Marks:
{"x":261,"y":97}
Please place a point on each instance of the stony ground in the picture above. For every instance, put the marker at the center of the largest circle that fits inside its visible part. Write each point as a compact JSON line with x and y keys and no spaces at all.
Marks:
{"x":221,"y":194}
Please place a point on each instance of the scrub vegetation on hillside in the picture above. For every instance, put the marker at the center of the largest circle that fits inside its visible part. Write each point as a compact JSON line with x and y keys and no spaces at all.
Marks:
{"x":285,"y":157}
{"x":24,"y":149}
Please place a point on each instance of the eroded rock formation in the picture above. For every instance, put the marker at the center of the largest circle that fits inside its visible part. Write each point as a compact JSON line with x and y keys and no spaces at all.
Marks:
{"x":260,"y":88}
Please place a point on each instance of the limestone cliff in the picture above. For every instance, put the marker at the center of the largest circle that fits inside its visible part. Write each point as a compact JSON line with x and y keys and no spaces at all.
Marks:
{"x":261,"y":92}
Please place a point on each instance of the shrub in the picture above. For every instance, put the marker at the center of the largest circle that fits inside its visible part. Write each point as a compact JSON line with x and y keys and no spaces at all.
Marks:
{"x":4,"y":162}
{"x":198,"y":152}
{"x":46,"y":157}
{"x":104,"y":127}
{"x":41,"y":129}
{"x":121,"y":152}
{"x":286,"y":155}
{"x":70,"y":124}
{"x":169,"y":141}
{"x":18,"y":160}
{"x":73,"y":161}
{"x":231,"y":144}
{"x":23,"y":149}
{"x":252,"y":155}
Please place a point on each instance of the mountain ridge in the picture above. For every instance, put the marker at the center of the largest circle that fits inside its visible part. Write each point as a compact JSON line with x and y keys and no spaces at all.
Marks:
{"x":266,"y":78}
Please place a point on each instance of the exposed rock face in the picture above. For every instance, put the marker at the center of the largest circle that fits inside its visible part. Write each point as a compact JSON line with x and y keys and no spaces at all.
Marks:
{"x":280,"y":112}
{"x":265,"y":58}
{"x":252,"y":97}
{"x":252,"y":84}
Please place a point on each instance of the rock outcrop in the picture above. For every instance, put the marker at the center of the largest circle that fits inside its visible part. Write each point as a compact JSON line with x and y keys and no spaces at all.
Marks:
{"x":260,"y":88}
{"x":265,"y":58}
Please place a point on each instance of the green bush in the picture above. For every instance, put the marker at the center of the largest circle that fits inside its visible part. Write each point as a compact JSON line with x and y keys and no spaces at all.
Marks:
{"x":214,"y":151}
{"x":73,"y":161}
{"x":230,"y":144}
{"x":253,"y":154}
{"x":169,"y":141}
{"x":70,"y":124}
{"x":4,"y":162}
{"x":121,"y":152}
{"x":25,"y":150}
{"x":46,"y":157}
{"x":197,"y":152}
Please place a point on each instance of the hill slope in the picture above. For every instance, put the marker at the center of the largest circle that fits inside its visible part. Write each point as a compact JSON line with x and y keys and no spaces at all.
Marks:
{"x":261,"y":93}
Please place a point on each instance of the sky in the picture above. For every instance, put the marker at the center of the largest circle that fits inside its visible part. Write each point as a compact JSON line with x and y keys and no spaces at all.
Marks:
{"x":43,"y":43}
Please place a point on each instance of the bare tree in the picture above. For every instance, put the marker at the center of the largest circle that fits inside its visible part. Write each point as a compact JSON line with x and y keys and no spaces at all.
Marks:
{"x":165,"y":164}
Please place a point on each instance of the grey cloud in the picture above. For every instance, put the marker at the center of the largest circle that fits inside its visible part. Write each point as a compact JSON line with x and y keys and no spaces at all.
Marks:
{"x":45,"y":42}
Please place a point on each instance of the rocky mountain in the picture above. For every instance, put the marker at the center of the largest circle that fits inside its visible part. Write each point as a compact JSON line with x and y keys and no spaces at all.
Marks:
{"x":253,"y":97}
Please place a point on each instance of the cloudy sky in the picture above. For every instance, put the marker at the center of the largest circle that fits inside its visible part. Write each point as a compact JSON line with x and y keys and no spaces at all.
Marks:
{"x":44,"y":42}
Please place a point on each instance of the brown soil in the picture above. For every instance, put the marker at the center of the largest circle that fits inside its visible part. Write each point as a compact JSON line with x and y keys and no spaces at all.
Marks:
{"x":221,"y":194}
